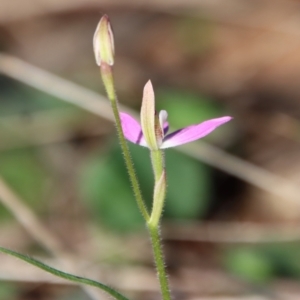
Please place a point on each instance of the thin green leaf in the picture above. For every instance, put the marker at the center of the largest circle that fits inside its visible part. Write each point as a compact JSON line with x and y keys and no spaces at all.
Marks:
{"x":64,"y":275}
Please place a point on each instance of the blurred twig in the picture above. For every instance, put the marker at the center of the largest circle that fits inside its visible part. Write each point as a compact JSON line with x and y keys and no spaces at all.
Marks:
{"x":232,"y":232}
{"x":31,"y":9}
{"x":43,"y":128}
{"x":244,"y":170}
{"x":258,"y":297}
{"x":26,"y":217}
{"x":230,"y":12}
{"x":135,"y":279}
{"x":97,"y":104}
{"x":28,"y":220}
{"x":190,"y":281}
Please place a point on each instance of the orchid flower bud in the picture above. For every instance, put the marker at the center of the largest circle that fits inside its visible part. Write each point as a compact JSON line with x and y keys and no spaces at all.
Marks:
{"x":103,"y":42}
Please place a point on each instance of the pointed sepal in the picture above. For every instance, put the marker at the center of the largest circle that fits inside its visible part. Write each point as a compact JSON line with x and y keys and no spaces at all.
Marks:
{"x":148,"y":119}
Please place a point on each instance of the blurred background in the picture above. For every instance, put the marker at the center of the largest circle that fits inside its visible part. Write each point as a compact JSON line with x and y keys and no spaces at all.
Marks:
{"x":232,"y":216}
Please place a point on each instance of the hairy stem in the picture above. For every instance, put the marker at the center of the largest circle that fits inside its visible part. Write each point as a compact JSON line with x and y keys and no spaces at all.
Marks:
{"x":108,"y":81}
{"x":159,"y":262}
{"x":158,"y":163}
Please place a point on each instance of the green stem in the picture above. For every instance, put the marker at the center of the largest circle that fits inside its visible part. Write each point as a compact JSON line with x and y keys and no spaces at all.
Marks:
{"x":159,"y":262}
{"x":158,"y":163}
{"x":157,"y":158}
{"x":71,"y":277}
{"x":159,"y":195}
{"x":108,"y":81}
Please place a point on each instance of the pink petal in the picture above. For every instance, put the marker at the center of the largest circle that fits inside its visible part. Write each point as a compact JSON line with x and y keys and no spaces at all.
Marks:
{"x":166,"y":127}
{"x":192,"y":133}
{"x":132,"y":129}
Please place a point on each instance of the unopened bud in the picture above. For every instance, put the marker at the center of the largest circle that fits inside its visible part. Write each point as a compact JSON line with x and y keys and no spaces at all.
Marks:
{"x":104,"y":42}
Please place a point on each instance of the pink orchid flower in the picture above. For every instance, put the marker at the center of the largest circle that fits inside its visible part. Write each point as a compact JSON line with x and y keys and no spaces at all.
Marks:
{"x":152,"y":132}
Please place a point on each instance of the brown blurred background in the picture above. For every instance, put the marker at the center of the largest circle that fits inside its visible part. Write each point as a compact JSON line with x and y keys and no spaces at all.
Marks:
{"x":233,"y":206}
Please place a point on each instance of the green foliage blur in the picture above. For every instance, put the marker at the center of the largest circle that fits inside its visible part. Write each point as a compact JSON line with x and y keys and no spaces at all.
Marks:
{"x":260,"y":264}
